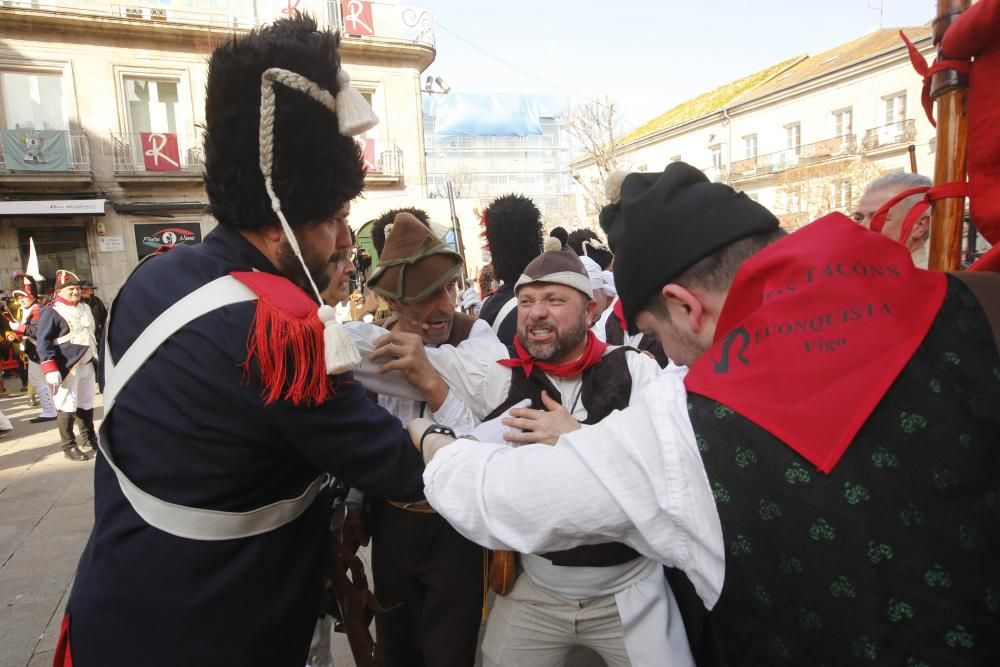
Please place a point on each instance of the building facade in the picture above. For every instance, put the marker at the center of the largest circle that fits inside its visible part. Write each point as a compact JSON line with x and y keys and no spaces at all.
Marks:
{"x":805,"y":136}
{"x":100,"y":104}
{"x":487,"y":145}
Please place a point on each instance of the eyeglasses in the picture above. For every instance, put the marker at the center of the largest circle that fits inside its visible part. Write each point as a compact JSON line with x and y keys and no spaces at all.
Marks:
{"x":345,"y":255}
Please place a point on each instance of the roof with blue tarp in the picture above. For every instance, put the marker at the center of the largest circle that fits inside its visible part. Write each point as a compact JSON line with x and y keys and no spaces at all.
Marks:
{"x":491,"y":115}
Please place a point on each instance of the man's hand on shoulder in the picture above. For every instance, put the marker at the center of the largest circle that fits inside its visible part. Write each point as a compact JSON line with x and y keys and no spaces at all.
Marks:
{"x":540,"y":426}
{"x":404,"y":352}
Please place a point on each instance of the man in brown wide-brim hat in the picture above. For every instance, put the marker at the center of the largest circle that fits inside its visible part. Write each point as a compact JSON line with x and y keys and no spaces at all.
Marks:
{"x":419,"y":561}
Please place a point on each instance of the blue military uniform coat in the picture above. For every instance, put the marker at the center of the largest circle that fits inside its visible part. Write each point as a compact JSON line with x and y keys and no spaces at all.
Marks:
{"x":191,"y":428}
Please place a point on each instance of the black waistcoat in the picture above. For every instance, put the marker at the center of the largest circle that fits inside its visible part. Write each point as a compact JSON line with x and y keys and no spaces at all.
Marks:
{"x":607,"y":387}
{"x":892,"y":559}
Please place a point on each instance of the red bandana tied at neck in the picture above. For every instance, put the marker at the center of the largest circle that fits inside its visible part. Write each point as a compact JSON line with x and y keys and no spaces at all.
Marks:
{"x":591,"y":355}
{"x":814,"y":331}
{"x":619,"y":312}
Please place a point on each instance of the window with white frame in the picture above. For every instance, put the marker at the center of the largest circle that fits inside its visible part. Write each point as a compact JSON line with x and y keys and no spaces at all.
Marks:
{"x":716,"y":156}
{"x":895,"y":108}
{"x":793,"y":137}
{"x":843,"y":122}
{"x":33,"y":100}
{"x":153,"y":105}
{"x":842,"y":195}
{"x":750,"y":146}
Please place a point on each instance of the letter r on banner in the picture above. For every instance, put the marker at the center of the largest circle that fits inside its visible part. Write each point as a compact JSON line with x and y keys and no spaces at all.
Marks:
{"x":159,"y":151}
{"x":357,"y":17}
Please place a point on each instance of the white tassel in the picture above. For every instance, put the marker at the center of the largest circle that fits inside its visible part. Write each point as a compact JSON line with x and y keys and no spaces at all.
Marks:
{"x":354,"y":114}
{"x":339,"y":351}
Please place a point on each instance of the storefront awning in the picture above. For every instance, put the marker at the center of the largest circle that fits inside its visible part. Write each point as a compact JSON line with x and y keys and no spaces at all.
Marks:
{"x":53,"y":207}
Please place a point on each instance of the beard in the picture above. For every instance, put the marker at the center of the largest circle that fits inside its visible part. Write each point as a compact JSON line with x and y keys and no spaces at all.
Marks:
{"x":683,"y":347}
{"x":291,"y":268}
{"x":564,"y":343}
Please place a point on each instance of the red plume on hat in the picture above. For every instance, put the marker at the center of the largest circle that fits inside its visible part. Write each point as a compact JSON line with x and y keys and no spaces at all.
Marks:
{"x":30,"y":286}
{"x":66,"y":278}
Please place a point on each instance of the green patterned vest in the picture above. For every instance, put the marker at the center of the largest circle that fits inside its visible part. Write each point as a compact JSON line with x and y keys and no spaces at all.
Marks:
{"x":893,"y":558}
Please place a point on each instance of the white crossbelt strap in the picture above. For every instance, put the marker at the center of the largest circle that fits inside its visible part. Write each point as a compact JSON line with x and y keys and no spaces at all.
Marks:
{"x":502,"y":315}
{"x":192,"y":522}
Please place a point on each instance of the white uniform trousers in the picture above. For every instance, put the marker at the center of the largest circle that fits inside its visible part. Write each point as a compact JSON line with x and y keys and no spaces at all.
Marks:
{"x":37,"y":380}
{"x":534,"y":627}
{"x":77,"y":389}
{"x":5,"y":424}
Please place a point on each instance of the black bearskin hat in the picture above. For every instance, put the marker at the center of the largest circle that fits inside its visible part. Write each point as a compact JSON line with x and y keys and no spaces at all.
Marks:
{"x":316,"y":169}
{"x":561,"y":234}
{"x":514,"y":235}
{"x":378,"y":227}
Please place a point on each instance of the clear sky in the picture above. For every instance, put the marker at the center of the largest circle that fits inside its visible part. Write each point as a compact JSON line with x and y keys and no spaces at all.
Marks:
{"x":647,"y":56}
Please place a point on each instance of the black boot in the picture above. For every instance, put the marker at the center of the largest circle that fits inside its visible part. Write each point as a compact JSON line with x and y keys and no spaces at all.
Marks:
{"x":70,"y":450}
{"x":87,"y":417}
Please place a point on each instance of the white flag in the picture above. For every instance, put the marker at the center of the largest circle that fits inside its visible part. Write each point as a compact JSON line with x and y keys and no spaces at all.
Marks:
{"x":32,"y":269}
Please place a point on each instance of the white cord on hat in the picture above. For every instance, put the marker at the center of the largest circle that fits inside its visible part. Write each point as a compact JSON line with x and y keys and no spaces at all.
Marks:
{"x":354,"y":116}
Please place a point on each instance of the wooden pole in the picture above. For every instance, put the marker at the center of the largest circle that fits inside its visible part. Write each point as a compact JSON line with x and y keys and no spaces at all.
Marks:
{"x":912,"y":150}
{"x":950,"y":90}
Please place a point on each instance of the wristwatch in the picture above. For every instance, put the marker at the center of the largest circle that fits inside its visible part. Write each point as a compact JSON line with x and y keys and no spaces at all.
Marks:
{"x":434,"y":429}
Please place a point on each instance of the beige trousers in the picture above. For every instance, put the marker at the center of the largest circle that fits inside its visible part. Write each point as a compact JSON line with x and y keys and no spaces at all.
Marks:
{"x":534,"y":627}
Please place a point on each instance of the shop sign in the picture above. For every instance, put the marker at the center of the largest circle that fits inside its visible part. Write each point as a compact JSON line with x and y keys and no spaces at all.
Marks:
{"x":111,"y":243}
{"x":151,"y":237}
{"x":53,"y":207}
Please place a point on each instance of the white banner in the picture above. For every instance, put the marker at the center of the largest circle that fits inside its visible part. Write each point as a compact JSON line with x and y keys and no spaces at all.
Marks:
{"x":53,"y":207}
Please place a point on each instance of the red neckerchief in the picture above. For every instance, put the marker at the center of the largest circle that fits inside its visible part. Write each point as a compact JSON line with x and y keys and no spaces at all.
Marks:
{"x":619,"y":312}
{"x":591,"y":355}
{"x":814,"y":331}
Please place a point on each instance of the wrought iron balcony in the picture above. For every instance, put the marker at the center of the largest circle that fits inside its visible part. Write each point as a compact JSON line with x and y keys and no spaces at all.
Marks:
{"x":79,"y":156}
{"x":384,"y":167}
{"x":890,"y":135}
{"x":156,"y":156}
{"x":805,"y":154}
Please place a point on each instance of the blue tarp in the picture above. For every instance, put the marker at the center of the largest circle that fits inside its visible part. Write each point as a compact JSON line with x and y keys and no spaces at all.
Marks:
{"x":491,"y":115}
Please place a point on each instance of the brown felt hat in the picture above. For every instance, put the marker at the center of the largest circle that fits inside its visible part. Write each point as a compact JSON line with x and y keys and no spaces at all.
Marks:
{"x":414,"y":262}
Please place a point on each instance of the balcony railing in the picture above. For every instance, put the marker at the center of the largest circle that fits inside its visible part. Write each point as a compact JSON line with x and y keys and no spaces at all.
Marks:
{"x":407,"y":24}
{"x":773,"y":163}
{"x":389,"y":164}
{"x":365,"y":20}
{"x":79,"y":156}
{"x":131,"y":158}
{"x":890,"y":135}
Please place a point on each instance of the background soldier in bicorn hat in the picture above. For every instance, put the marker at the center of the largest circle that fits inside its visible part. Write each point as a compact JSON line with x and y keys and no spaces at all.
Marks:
{"x":419,"y":561}
{"x":26,"y":329}
{"x":67,"y":351}
{"x":227,"y":401}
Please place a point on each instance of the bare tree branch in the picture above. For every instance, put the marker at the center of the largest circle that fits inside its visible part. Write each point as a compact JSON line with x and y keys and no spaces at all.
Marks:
{"x":597,"y":127}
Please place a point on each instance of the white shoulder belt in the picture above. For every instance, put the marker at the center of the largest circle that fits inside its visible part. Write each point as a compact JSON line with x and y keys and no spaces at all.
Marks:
{"x":192,"y":522}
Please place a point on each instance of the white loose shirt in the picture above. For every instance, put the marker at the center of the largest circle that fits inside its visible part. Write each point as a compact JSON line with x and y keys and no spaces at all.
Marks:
{"x":636,"y":477}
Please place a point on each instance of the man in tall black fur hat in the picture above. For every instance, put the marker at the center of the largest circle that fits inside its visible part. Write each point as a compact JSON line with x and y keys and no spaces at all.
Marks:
{"x":514,"y":234}
{"x":226,"y":417}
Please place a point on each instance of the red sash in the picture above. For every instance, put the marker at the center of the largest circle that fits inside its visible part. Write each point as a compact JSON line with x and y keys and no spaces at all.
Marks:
{"x":814,"y":331}
{"x":591,"y":355}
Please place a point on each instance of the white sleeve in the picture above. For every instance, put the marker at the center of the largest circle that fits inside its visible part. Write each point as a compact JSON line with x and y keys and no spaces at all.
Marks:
{"x":472,"y":372}
{"x":635,"y":477}
{"x":364,"y":336}
{"x":600,"y":326}
{"x":455,"y":414}
{"x":481,"y":329}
